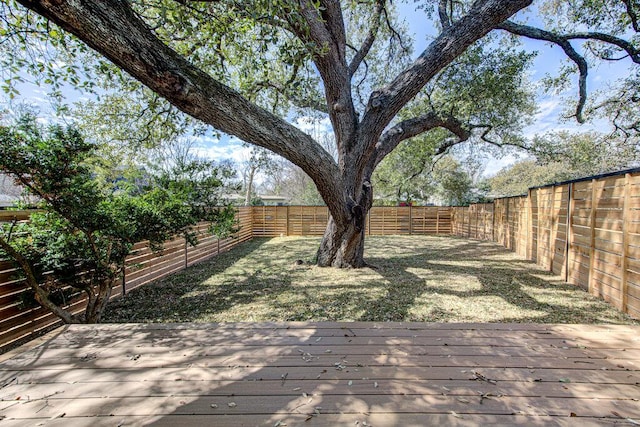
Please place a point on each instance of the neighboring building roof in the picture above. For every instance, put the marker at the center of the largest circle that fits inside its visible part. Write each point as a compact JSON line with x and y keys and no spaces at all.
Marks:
{"x":267,"y":199}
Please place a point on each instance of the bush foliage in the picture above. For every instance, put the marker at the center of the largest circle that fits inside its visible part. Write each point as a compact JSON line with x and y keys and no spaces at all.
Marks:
{"x":76,"y":244}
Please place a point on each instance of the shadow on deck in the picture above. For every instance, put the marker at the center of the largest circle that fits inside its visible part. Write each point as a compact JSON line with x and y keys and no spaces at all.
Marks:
{"x":327,"y":373}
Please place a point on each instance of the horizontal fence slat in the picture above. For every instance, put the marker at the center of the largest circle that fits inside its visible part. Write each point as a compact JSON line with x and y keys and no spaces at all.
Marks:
{"x":19,"y":322}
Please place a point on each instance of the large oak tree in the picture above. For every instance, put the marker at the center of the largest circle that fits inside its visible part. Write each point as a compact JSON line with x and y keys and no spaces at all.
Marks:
{"x":201,"y":57}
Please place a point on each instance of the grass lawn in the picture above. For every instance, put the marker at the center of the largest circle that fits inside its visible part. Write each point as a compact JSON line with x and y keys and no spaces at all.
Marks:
{"x":416,"y":278}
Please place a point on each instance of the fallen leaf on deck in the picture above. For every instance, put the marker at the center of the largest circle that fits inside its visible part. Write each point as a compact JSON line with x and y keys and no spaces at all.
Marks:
{"x":455,"y":414}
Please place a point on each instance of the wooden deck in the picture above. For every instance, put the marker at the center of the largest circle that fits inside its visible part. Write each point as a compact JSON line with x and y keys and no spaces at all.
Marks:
{"x":312,"y":374}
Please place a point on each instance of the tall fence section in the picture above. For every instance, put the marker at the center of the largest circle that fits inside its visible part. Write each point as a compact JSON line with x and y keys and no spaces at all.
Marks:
{"x":587,"y":231}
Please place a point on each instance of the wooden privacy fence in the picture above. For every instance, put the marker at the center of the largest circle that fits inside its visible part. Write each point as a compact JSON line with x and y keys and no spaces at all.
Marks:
{"x":587,"y":231}
{"x":21,"y":320}
{"x":274,"y":221}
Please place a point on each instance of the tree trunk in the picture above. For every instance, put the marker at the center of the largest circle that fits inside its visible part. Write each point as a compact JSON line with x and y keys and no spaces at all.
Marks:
{"x":98,"y":302}
{"x":249,"y":185}
{"x":342,"y":245}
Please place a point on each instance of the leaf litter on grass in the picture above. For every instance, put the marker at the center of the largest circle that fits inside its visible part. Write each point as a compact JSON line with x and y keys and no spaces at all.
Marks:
{"x":414,"y":278}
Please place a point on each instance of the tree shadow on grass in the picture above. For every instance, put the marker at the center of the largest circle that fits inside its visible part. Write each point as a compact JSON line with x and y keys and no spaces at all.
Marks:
{"x":416,"y":278}
{"x":471,"y":277}
{"x":185,"y":296}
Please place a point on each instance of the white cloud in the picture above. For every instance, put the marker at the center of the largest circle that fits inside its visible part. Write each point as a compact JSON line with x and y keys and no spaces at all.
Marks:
{"x":313,"y":126}
{"x":229,"y":150}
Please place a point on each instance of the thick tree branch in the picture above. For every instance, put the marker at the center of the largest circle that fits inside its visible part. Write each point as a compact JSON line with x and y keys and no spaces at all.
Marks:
{"x":445,"y":21}
{"x":384,"y":104}
{"x":368,"y":41}
{"x":538,"y":34}
{"x":633,"y":16}
{"x":416,"y":126}
{"x":330,"y":59}
{"x":114,"y":30}
{"x":563,"y":42}
{"x":334,"y":22}
{"x":629,"y":48}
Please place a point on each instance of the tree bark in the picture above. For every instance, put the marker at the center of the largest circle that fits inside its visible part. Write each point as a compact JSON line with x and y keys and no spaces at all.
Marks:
{"x":94,"y":311}
{"x":342,"y":245}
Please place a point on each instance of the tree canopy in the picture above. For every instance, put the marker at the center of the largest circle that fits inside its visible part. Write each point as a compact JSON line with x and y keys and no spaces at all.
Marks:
{"x":244,"y":67}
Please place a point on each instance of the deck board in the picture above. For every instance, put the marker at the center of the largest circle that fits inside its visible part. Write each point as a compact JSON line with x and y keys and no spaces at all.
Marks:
{"x":316,"y":374}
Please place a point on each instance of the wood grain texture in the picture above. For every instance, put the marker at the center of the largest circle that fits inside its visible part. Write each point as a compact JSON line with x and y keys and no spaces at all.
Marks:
{"x":304,"y":373}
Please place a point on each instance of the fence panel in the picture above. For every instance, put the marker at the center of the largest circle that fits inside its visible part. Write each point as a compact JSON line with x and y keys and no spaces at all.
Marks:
{"x":22,"y":319}
{"x":586,"y":231}
{"x":307,"y":220}
{"x":431,"y":220}
{"x":388,"y":220}
{"x":269,"y":221}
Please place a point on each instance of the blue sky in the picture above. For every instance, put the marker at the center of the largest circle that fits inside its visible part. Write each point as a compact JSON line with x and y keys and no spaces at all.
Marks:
{"x":547,"y":119}
{"x":550,"y":57}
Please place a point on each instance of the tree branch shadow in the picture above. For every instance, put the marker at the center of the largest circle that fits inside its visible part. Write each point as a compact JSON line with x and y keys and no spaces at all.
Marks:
{"x":513,"y":283}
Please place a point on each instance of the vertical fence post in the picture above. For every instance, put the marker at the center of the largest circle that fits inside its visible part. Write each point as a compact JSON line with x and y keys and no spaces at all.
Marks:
{"x":410,"y":219}
{"x":493,"y":221}
{"x":552,"y":226}
{"x":186,"y":255}
{"x":507,"y":234}
{"x":626,"y":212}
{"x":592,"y":242}
{"x":124,"y":278}
{"x":287,"y":233}
{"x":569,"y":235}
{"x":539,"y":259}
{"x":530,"y":224}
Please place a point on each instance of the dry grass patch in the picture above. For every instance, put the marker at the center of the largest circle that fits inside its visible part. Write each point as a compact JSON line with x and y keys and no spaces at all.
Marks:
{"x":415,"y":278}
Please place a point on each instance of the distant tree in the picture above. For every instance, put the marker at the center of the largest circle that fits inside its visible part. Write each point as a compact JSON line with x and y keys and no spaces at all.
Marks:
{"x":283,"y":178}
{"x":406,"y":173}
{"x":562,"y":156}
{"x":258,"y":159}
{"x":78,"y":243}
{"x":587,"y":153}
{"x":454,"y":185}
{"x":516,"y":179}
